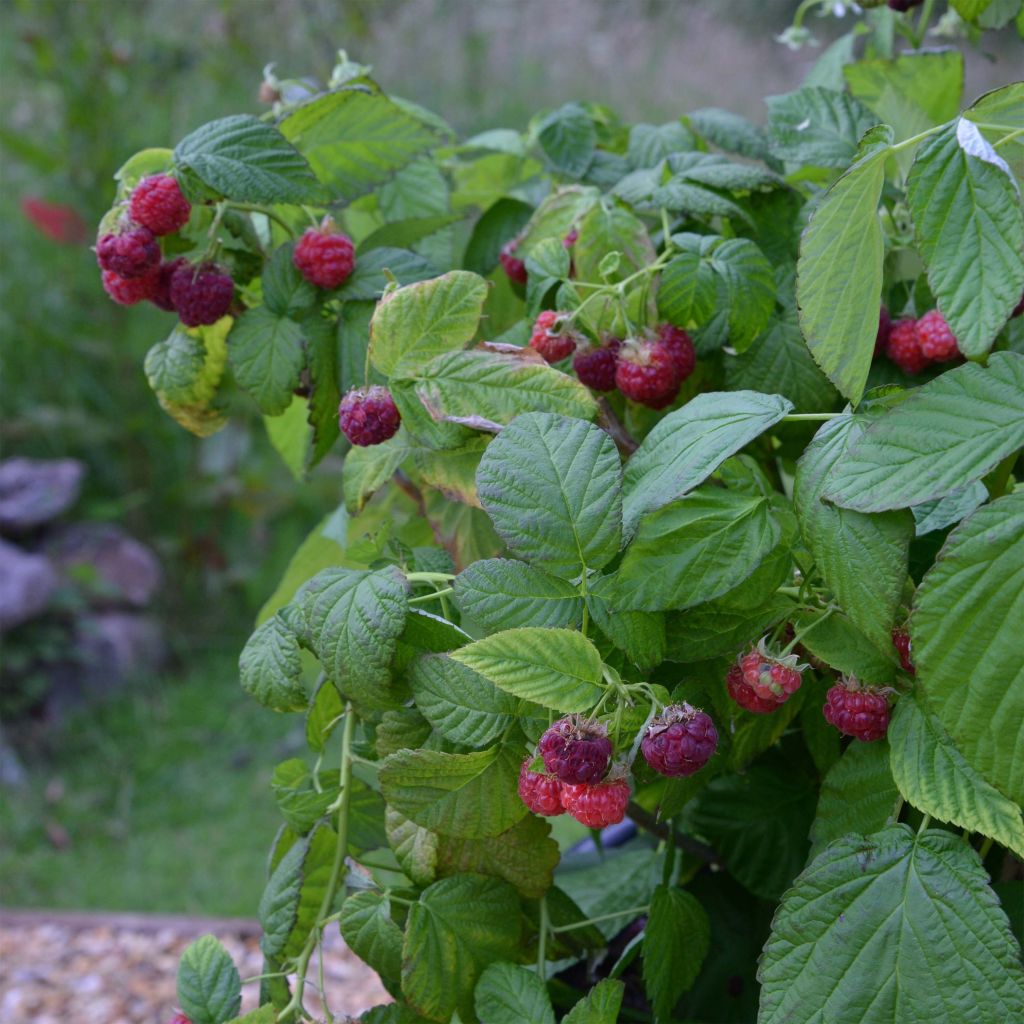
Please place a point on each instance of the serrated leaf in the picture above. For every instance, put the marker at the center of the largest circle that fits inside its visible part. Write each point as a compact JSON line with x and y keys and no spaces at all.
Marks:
{"x":500,"y":593}
{"x":649,"y":144}
{"x":300,"y":802}
{"x":497,"y":226}
{"x":368,"y":281}
{"x":640,"y":635}
{"x":285,"y":290}
{"x":947,"y":434}
{"x":368,"y":469}
{"x":608,"y":227}
{"x":600,"y":1005}
{"x":407,"y":231}
{"x":618,"y":881}
{"x":716,"y":629}
{"x":415,"y":847}
{"x":729,"y":131}
{"x":265,"y":351}
{"x":840,"y":644}
{"x":1003,"y":106}
{"x":510,"y":994}
{"x":817,"y":126}
{"x":325,"y":711}
{"x":869,"y":931}
{"x":319,"y":336}
{"x":676,"y":940}
{"x":368,"y":930}
{"x":939,"y":513}
{"x":270,"y":668}
{"x":209,"y":986}
{"x":568,"y":137}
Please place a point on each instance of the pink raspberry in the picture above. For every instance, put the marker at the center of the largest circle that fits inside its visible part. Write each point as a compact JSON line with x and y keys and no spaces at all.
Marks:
{"x":368,"y":416}
{"x":162,"y":286}
{"x":133,"y":253}
{"x":597,"y":805}
{"x":744,"y":694}
{"x":325,"y":257}
{"x":904,"y":347}
{"x":201,"y":294}
{"x":595,"y":365}
{"x":570,"y":239}
{"x":127,"y":291}
{"x":576,"y":750}
{"x":541,"y":792}
{"x":884,"y":327}
{"x":857,"y":710}
{"x":770,"y":676}
{"x":680,"y":741}
{"x":553,"y":345}
{"x":157,"y":203}
{"x":680,"y":344}
{"x":179,"y":1018}
{"x":515,"y":268}
{"x":936,"y":339}
{"x":647,"y":372}
{"x":901,"y":641}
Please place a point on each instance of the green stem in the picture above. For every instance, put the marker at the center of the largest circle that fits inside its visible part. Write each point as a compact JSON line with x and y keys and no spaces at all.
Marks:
{"x":256,"y":208}
{"x":431,"y":597}
{"x":812,"y":625}
{"x":1008,"y":138}
{"x":635,"y":911}
{"x":429,"y":577}
{"x":896,"y":811}
{"x":915,"y":139}
{"x":815,"y":417}
{"x":925,"y":822}
{"x":542,"y":940}
{"x":922,"y":23}
{"x":985,"y":847}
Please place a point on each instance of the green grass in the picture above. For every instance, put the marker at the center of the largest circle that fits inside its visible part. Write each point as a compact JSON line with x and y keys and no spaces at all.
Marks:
{"x":166,"y":801}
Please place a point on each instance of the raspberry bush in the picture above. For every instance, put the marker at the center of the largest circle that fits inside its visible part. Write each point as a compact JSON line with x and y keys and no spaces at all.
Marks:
{"x":738,"y":582}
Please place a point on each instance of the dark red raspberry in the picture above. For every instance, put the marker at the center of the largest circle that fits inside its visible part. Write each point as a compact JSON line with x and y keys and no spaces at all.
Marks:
{"x":904,"y":347}
{"x":368,"y":416}
{"x":884,"y":327}
{"x":647,"y":373}
{"x":857,"y":710}
{"x":901,"y":641}
{"x":162,"y":286}
{"x":936,"y":339}
{"x":680,"y":344}
{"x":595,"y":365}
{"x":541,"y":792}
{"x":553,"y":345}
{"x":515,"y":268}
{"x":597,"y":806}
{"x":576,"y":750}
{"x":680,"y":741}
{"x":157,"y":203}
{"x":201,"y":294}
{"x":133,"y":253}
{"x":127,"y":291}
{"x":770,"y":676}
{"x":744,"y":694}
{"x":325,"y":257}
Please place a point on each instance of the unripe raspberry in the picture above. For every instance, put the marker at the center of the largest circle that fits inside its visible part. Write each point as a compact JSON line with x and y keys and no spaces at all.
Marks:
{"x":541,"y":792}
{"x":647,"y":373}
{"x":744,"y":694}
{"x":595,"y":365}
{"x":901,"y":641}
{"x":857,"y":710}
{"x":576,"y":750}
{"x":325,"y":257}
{"x":936,"y":339}
{"x":599,"y":805}
{"x":515,"y":268}
{"x":680,"y":741}
{"x":368,"y":416}
{"x":770,"y":676}
{"x":162,"y":285}
{"x":201,"y":294}
{"x":133,"y":253}
{"x":680,"y":344}
{"x":884,"y":327}
{"x":904,"y":347}
{"x":127,"y":291}
{"x":157,"y":203}
{"x":552,"y":344}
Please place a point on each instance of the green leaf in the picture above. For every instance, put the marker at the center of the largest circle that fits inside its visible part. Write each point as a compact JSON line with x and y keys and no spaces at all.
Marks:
{"x":969,"y":228}
{"x":608,"y":227}
{"x":696,"y":549}
{"x":817,"y":126}
{"x":424,"y":320}
{"x":568,"y":137}
{"x":600,"y":1005}
{"x":552,"y":487}
{"x":618,"y":881}
{"x":934,"y":515}
{"x":858,"y":794}
{"x":415,"y":847}
{"x":285,"y":290}
{"x":499,"y":593}
{"x":320,"y":337}
{"x":862,"y":558}
{"x":839,"y":643}
{"x":243,"y":158}
{"x":729,"y":131}
{"x":270,"y":668}
{"x":407,"y":231}
{"x":640,"y":635}
{"x":839,"y":271}
{"x":266,"y":1014}
{"x":970,"y":10}
{"x":871,"y":927}
{"x":688,"y":445}
{"x":936,"y":778}
{"x":368,"y":469}
{"x":498,"y":225}
{"x":291,"y":436}
{"x":947,"y":434}
{"x":325,"y":711}
{"x":649,"y":144}
{"x":556,"y":668}
{"x":368,"y":930}
{"x":676,"y":940}
{"x":1003,"y":106}
{"x":966,"y":629}
{"x":469,"y":795}
{"x":510,"y":994}
{"x":266,"y":357}
{"x":368,"y":280}
{"x":716,"y":629}
{"x":209,"y":987}
{"x":300,"y":802}
{"x":455,"y":930}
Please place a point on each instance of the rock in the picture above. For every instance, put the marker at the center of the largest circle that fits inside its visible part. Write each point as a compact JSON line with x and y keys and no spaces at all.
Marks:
{"x":113,"y":646}
{"x":35,"y":491}
{"x":113,"y":566}
{"x":27,"y":582}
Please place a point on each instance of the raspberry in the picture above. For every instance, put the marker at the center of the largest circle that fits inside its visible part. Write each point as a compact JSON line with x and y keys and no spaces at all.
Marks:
{"x":576,"y":750}
{"x":179,"y":1018}
{"x":58,"y":221}
{"x":133,"y":253}
{"x":771,"y":677}
{"x":597,"y":806}
{"x":553,"y":345}
{"x":647,"y":373}
{"x":904,"y":347}
{"x":515,"y":268}
{"x":884,"y":327}
{"x":157,"y":203}
{"x":368,"y":416}
{"x":162,"y":284}
{"x":680,"y":741}
{"x":541,"y":792}
{"x":901,"y":641}
{"x":744,"y":694}
{"x":127,"y":291}
{"x":936,"y":339}
{"x":324,"y":257}
{"x":570,"y":239}
{"x":679,"y":343}
{"x":857,"y":710}
{"x":595,"y":366}
{"x":201,"y":294}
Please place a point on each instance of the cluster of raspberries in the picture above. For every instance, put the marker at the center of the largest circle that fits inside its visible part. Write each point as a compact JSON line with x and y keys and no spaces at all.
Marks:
{"x":913,"y":344}
{"x":578,"y":775}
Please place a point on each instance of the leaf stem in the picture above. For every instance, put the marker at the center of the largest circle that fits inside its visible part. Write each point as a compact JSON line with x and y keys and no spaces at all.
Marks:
{"x":814,"y":417}
{"x":925,"y":822}
{"x":542,"y":939}
{"x":915,"y":139}
{"x":430,"y":597}
{"x":811,"y":625}
{"x":268,"y":213}
{"x":985,"y":847}
{"x":603,"y":917}
{"x":429,"y":577}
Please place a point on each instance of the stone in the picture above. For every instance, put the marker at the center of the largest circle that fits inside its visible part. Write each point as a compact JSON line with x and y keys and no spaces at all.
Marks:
{"x":37,"y":491}
{"x":27,"y":582}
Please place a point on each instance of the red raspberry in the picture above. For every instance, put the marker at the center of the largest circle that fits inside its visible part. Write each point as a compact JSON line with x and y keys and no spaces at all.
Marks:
{"x":857,"y":710}
{"x":179,"y":1018}
{"x":368,"y":415}
{"x":541,"y":792}
{"x":597,"y":806}
{"x":680,"y":741}
{"x":679,"y":343}
{"x":58,"y":221}
{"x":901,"y":641}
{"x":884,"y":327}
{"x":570,"y":239}
{"x":744,"y":695}
{"x":157,"y":203}
{"x":904,"y":347}
{"x":771,"y":677}
{"x":325,"y":257}
{"x":515,"y":268}
{"x":201,"y":294}
{"x":162,"y":285}
{"x":553,"y":345}
{"x":127,"y":291}
{"x":133,"y":253}
{"x":576,"y":750}
{"x":937,"y":341}
{"x":647,"y":373}
{"x":595,"y":365}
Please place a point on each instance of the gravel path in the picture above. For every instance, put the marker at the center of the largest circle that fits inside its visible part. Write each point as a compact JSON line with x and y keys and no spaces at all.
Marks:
{"x":120,"y":968}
